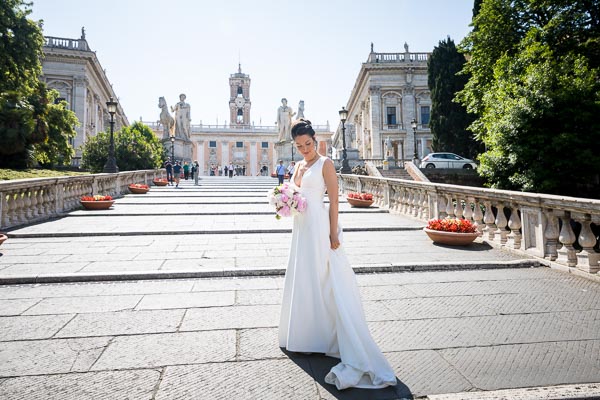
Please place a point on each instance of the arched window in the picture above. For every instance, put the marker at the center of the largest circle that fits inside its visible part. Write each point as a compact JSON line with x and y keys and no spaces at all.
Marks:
{"x":240,"y":92}
{"x":240,"y":116}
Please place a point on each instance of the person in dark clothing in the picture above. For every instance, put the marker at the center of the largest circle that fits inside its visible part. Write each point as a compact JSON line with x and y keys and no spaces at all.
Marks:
{"x":186,"y":170}
{"x":177,"y":172}
{"x":169,"y":167}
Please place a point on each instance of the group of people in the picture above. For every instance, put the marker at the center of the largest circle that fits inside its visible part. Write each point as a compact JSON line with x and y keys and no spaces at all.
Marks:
{"x":229,"y":170}
{"x":174,"y":171}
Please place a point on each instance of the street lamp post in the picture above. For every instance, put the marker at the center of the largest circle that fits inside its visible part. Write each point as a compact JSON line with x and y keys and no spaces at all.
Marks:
{"x":413,"y":124}
{"x":111,"y":162}
{"x":345,"y":167}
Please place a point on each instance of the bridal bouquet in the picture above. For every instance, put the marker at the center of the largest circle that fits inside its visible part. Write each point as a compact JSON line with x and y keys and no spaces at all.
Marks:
{"x":286,"y":200}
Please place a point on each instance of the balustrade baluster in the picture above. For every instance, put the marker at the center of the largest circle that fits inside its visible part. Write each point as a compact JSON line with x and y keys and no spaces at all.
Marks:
{"x":567,"y":253}
{"x":501,"y":224}
{"x":489,"y":219}
{"x":468,"y":211}
{"x":33,"y":195}
{"x":588,"y":258}
{"x":424,"y":205}
{"x":441,"y":206}
{"x":551,"y":235}
{"x":404,"y":206}
{"x":449,"y":206}
{"x":514,"y":224}
{"x":27,"y":205}
{"x":478,"y":216}
{"x":458,"y":209}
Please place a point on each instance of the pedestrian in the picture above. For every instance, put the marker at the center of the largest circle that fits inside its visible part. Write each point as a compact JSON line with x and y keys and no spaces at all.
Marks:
{"x":225,"y":170}
{"x":280,"y":172}
{"x":195,"y":171}
{"x":244,"y":170}
{"x":290,"y":169}
{"x":186,"y":170}
{"x":230,"y":169}
{"x":169,"y":168}
{"x":177,"y":173}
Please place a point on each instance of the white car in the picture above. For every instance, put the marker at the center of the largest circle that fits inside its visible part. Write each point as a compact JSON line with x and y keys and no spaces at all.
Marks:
{"x":446,"y":160}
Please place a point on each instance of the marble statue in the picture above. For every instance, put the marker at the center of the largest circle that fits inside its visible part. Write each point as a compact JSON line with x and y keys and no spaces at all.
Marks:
{"x":284,"y":121}
{"x":166,"y":120}
{"x":182,"y":118}
{"x":388,"y":147}
{"x":406,"y":47}
{"x":300,"y":109}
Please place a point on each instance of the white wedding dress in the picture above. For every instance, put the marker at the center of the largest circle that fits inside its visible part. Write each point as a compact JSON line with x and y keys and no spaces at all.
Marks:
{"x":321,"y":310}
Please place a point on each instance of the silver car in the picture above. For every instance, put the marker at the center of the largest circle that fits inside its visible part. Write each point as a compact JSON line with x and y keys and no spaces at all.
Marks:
{"x":446,"y":160}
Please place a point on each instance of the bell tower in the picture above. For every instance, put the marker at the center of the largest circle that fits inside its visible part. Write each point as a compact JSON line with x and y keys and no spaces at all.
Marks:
{"x":239,"y":98}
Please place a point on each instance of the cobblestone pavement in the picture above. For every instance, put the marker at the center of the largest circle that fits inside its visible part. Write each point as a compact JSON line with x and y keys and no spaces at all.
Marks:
{"x":443,"y":332}
{"x":448,"y":332}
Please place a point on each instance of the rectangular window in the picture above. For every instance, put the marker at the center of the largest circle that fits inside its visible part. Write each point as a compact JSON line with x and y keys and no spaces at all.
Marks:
{"x":424,"y":115}
{"x":391,"y":115}
{"x":212,"y":144}
{"x":265,"y":145}
{"x":239,"y":144}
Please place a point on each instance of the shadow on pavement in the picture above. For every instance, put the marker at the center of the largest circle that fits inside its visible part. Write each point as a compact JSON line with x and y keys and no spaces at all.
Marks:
{"x":318,"y":365}
{"x":471,"y":247}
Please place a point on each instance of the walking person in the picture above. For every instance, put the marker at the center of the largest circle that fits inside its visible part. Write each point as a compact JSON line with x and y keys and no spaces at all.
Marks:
{"x":230,"y":169}
{"x":321,"y":311}
{"x":169,"y":168}
{"x":280,"y":172}
{"x":177,"y":172}
{"x":186,"y":170}
{"x":225,"y":170}
{"x":195,"y":171}
{"x":290,"y":169}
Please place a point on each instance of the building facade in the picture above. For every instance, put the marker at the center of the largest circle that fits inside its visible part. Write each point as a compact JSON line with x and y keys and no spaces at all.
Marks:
{"x":70,"y":67}
{"x":254,"y":149}
{"x":391,"y":90}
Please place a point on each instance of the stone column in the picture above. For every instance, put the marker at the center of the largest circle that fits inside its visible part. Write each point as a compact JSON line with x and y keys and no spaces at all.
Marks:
{"x":408,"y":112}
{"x":224,"y":153}
{"x":200,"y":149}
{"x":78,"y":106}
{"x":375,"y":122}
{"x":423,"y":146}
{"x":253,"y":160}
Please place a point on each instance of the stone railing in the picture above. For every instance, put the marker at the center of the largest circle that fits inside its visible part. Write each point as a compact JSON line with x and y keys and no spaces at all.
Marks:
{"x":557,"y":228}
{"x":24,"y":201}
{"x":397,"y":57}
{"x":65,"y":43}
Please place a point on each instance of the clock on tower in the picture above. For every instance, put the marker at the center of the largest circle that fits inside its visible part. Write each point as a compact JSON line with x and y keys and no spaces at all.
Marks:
{"x":239,"y":99}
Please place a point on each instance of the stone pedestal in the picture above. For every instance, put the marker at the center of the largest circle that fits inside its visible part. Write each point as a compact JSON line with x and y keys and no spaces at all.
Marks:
{"x":283,"y":151}
{"x":182,"y":149}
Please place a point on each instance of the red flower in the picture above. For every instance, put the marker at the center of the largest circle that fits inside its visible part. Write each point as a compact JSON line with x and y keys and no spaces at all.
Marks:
{"x":96,"y":198}
{"x":360,"y":196}
{"x":139,"y":186}
{"x":452,"y":225}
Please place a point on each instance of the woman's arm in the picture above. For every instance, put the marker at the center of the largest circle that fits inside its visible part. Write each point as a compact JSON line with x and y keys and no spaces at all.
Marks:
{"x":331,"y":181}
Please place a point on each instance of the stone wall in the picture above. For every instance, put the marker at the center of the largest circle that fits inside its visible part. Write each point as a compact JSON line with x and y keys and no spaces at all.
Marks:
{"x":453,"y":176}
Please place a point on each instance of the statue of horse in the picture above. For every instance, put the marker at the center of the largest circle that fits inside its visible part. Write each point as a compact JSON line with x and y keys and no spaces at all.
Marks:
{"x":167,"y":121}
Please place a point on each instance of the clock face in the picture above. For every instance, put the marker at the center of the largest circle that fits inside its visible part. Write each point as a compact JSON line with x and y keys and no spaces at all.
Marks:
{"x":239,"y":102}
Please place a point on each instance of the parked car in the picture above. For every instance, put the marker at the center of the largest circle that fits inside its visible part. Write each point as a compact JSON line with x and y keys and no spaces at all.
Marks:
{"x":446,"y":160}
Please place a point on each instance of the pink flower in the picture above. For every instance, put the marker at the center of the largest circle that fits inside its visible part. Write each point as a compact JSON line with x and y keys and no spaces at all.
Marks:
{"x":285,"y":211}
{"x":284,"y":198}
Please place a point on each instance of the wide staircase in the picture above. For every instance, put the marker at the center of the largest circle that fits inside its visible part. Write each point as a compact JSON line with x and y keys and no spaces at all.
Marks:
{"x":395,"y":173}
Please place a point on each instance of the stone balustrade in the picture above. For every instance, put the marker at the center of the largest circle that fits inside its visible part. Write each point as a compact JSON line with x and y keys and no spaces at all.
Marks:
{"x":24,"y":201}
{"x":65,"y":43}
{"x":557,"y":228}
{"x":397,"y":57}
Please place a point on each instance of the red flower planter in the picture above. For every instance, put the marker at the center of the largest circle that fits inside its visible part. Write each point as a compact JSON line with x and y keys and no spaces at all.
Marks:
{"x":160,"y":182}
{"x":138,"y":190}
{"x":359,"y":203}
{"x":97,"y":205}
{"x":451,"y":238}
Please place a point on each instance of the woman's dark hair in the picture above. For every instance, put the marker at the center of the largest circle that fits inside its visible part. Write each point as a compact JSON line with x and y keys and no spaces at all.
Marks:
{"x":302,"y":127}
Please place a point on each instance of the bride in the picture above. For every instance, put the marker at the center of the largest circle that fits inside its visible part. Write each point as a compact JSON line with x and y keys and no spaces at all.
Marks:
{"x":321,"y":310}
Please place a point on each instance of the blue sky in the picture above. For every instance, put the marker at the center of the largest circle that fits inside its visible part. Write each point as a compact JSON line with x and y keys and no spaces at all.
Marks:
{"x":308,"y":50}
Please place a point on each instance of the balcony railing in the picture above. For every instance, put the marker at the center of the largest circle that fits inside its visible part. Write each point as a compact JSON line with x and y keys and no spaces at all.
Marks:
{"x":556,"y":228}
{"x":24,"y":201}
{"x":65,"y":43}
{"x":397,"y":57}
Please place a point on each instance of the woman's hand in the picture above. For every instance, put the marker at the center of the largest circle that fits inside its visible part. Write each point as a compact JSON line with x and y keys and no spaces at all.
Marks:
{"x":335,"y":241}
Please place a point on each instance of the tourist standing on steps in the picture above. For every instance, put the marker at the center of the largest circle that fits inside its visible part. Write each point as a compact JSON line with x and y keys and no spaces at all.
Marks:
{"x":177,"y":172}
{"x":186,"y":170}
{"x":169,"y":168}
{"x":230,"y":169}
{"x":195,"y":171}
{"x":280,"y":172}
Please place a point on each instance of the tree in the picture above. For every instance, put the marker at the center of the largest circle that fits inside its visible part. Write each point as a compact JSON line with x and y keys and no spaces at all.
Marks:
{"x":449,"y":120}
{"x":28,"y":116}
{"x":535,"y":86}
{"x":136,"y":147}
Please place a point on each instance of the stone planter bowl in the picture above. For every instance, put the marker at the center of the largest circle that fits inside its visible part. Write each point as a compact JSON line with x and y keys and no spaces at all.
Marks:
{"x":97,"y":205}
{"x":359,"y":203}
{"x":160,"y":183}
{"x":136,"y":190}
{"x":451,"y":238}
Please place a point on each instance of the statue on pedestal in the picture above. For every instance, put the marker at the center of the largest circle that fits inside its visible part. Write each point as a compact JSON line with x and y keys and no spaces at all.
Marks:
{"x":182,"y":118}
{"x":284,"y":121}
{"x":166,"y":120}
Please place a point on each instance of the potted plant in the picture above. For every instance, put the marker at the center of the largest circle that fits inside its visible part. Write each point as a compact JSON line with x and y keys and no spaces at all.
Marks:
{"x":451,"y":231}
{"x":359,"y":199}
{"x":138,"y":188}
{"x":96,"y":202}
{"x":160,"y":182}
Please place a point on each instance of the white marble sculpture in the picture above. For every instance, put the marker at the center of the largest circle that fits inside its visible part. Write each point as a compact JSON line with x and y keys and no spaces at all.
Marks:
{"x":284,"y":121}
{"x":300,"y":109}
{"x":182,"y":118}
{"x":166,"y":119}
